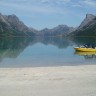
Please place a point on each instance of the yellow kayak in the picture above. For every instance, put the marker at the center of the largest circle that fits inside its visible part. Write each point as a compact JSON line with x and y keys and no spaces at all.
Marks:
{"x":85,"y":49}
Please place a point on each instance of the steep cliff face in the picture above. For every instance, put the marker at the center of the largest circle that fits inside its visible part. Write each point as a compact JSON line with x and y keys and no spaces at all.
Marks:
{"x":11,"y":26}
{"x":87,"y":27}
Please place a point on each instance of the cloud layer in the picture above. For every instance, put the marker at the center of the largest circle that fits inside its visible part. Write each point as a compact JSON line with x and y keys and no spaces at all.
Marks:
{"x":58,"y":11}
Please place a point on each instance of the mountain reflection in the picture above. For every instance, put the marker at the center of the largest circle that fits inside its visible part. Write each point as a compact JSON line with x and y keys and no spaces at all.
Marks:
{"x":12,"y":47}
{"x":56,"y":41}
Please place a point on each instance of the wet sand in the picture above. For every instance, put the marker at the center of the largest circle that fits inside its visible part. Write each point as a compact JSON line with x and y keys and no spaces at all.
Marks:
{"x":48,"y":81}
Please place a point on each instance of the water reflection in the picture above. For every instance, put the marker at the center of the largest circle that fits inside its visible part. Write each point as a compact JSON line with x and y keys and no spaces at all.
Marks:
{"x":12,"y":47}
{"x":56,"y":41}
{"x":87,"y":55}
{"x":27,"y":50}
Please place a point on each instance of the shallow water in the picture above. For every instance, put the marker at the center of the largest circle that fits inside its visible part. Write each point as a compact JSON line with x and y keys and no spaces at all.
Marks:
{"x":44,"y":51}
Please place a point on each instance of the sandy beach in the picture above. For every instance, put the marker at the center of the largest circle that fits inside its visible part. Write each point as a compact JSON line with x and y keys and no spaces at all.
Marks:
{"x":48,"y":81}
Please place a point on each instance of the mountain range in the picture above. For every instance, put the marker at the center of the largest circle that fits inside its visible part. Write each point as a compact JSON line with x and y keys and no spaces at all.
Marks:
{"x":11,"y":26}
{"x":56,"y":31}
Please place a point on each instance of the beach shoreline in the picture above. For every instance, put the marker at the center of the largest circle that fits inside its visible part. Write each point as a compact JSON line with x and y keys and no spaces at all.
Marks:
{"x":48,"y":81}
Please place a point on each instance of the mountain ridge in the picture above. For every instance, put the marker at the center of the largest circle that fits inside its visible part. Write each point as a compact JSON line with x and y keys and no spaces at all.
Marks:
{"x":56,"y":31}
{"x":87,"y":27}
{"x":10,"y":25}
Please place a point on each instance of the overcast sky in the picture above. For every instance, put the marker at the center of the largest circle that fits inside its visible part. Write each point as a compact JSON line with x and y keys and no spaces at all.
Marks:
{"x":48,"y":13}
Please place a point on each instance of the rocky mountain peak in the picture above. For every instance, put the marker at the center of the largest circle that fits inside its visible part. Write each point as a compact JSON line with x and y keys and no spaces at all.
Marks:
{"x":10,"y":24}
{"x":13,"y":16}
{"x":62,"y":26}
{"x":87,"y":27}
{"x":88,"y":18}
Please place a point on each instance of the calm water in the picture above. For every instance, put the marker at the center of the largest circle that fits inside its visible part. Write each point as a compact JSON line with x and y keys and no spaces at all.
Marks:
{"x":44,"y":51}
